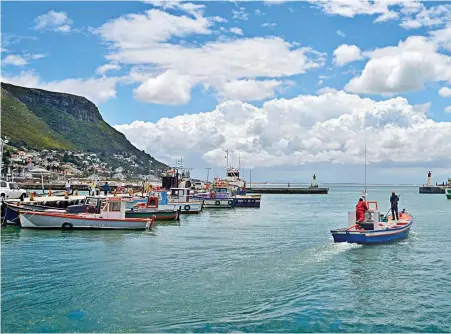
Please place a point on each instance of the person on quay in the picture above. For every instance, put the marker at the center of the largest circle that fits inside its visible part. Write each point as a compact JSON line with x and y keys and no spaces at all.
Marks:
{"x":67,"y":186}
{"x":394,"y":199}
{"x":360,"y":210}
{"x":106,"y":189}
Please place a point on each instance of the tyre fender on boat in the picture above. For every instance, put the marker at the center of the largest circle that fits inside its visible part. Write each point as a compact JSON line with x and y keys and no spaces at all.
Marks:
{"x":217,"y":203}
{"x":187,"y":207}
{"x":230,"y":202}
{"x":67,"y":225}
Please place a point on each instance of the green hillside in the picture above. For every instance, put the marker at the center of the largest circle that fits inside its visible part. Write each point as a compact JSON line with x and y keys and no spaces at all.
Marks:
{"x":41,"y":119}
{"x":24,"y":128}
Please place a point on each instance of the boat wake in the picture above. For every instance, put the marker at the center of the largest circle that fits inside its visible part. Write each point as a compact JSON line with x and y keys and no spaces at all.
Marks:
{"x":325,"y":253}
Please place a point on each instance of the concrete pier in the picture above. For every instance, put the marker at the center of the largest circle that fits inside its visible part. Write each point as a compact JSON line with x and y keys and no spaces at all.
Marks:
{"x":287,"y":190}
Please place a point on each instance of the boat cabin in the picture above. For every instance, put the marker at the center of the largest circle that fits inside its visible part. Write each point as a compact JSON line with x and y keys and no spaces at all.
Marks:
{"x":179,"y":195}
{"x":372,"y":217}
{"x":114,"y":207}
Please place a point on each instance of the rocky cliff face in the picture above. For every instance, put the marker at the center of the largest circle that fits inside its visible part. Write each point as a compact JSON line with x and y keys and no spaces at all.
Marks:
{"x":41,"y":119}
{"x":77,"y":106}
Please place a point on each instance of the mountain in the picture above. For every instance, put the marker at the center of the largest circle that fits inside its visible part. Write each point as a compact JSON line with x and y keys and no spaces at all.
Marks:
{"x":40,"y":119}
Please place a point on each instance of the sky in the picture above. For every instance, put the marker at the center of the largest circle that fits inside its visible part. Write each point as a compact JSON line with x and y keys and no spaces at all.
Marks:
{"x":289,"y":88}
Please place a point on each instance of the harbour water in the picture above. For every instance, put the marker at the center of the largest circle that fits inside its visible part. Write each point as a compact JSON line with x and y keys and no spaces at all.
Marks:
{"x":273,"y":269}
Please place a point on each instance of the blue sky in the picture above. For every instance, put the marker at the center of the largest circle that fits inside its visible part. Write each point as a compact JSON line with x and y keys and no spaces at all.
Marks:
{"x":173,"y":59}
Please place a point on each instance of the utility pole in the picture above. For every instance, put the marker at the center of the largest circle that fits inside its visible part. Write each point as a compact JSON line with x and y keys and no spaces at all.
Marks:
{"x":250,"y":177}
{"x":208,"y":172}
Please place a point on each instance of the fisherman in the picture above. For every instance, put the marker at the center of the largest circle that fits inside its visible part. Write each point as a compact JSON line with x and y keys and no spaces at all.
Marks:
{"x":93,"y":189}
{"x":394,"y":199}
{"x":106,"y":189}
{"x":360,"y":210}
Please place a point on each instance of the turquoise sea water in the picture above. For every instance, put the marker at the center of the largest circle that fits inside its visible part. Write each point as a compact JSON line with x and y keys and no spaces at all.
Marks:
{"x":273,"y":269}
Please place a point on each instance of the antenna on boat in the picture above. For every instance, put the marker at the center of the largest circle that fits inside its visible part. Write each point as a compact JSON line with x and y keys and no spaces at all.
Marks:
{"x":365,"y":169}
{"x":227,"y":156}
{"x":239,"y":161}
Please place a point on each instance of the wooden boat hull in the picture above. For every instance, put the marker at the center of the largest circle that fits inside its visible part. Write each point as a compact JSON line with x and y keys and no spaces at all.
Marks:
{"x":148,"y":213}
{"x":372,"y":236}
{"x":44,"y":220}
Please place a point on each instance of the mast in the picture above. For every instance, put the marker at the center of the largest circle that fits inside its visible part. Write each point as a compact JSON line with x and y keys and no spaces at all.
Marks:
{"x":227,"y":157}
{"x":365,"y":169}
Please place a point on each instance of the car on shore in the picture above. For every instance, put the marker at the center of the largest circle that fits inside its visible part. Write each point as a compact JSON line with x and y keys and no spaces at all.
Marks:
{"x":10,"y":190}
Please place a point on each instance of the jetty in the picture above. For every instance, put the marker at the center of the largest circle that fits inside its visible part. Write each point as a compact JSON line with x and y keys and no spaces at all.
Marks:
{"x":429,"y":188}
{"x":279,"y":189}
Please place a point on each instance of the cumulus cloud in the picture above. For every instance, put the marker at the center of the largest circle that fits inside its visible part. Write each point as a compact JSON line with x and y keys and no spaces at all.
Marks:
{"x":421,"y":16}
{"x":406,"y":67}
{"x":249,"y":90}
{"x":345,"y":54}
{"x":102,"y":70}
{"x":97,"y":90}
{"x":21,"y":60}
{"x":240,"y":14}
{"x":341,"y":33}
{"x":325,"y":128}
{"x":236,"y":31}
{"x":14,"y":60}
{"x":166,"y":88}
{"x":445,"y":92}
{"x":55,"y":21}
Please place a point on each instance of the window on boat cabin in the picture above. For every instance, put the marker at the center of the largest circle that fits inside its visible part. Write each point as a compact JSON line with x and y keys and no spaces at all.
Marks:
{"x":3,"y":184}
{"x":13,"y":186}
{"x":221,"y":190}
{"x":175,"y":192}
{"x":92,"y":201}
{"x":115,"y":206}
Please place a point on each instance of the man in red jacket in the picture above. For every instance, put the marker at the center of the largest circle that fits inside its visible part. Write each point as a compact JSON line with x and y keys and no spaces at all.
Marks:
{"x":360,"y":210}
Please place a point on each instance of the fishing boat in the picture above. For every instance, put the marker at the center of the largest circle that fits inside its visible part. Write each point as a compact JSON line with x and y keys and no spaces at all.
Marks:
{"x":108,"y":213}
{"x":448,"y":189}
{"x":218,"y":198}
{"x":375,"y":228}
{"x":181,"y":197}
{"x":10,"y":211}
{"x":151,"y":208}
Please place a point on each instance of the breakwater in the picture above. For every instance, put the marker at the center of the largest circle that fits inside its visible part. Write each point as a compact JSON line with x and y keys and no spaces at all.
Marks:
{"x":287,"y":190}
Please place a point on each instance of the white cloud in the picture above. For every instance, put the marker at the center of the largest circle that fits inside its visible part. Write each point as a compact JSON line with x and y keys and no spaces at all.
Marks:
{"x":249,"y":90}
{"x":345,"y":54}
{"x":97,"y":90}
{"x":215,"y":63}
{"x":341,"y":33}
{"x":107,"y":67}
{"x":442,"y":37}
{"x":3,"y":50}
{"x":133,"y":30}
{"x":236,"y":31}
{"x":14,"y":60}
{"x":270,"y":25}
{"x":305,"y":129}
{"x":53,"y":20}
{"x":427,"y":17}
{"x":445,"y":92}
{"x":448,"y":109}
{"x":353,"y":8}
{"x":258,"y":12}
{"x":406,"y":67}
{"x":167,"y":88}
{"x":21,"y":60}
{"x":240,"y":14}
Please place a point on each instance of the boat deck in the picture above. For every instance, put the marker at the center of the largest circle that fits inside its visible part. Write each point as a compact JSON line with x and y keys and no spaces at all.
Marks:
{"x":404,"y":219}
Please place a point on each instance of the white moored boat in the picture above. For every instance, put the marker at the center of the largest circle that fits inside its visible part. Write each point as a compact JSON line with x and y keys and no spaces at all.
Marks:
{"x":109,"y":213}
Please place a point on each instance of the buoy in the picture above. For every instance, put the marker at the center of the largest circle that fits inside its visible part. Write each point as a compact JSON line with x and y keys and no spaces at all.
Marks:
{"x":66,"y":195}
{"x":32,"y":196}
{"x":131,"y":192}
{"x":115,"y":192}
{"x":76,"y":193}
{"x":50,"y":192}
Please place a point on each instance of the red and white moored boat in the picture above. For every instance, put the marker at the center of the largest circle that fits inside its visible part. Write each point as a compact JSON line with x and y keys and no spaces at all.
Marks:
{"x":106,"y":213}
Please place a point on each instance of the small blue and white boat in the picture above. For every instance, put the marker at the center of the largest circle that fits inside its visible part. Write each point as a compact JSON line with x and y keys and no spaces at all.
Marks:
{"x":375,"y":229}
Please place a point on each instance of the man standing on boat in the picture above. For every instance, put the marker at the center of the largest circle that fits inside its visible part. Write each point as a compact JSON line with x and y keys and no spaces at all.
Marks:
{"x":360,"y":210}
{"x":67,"y":186}
{"x":394,"y":199}
{"x":106,"y":189}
